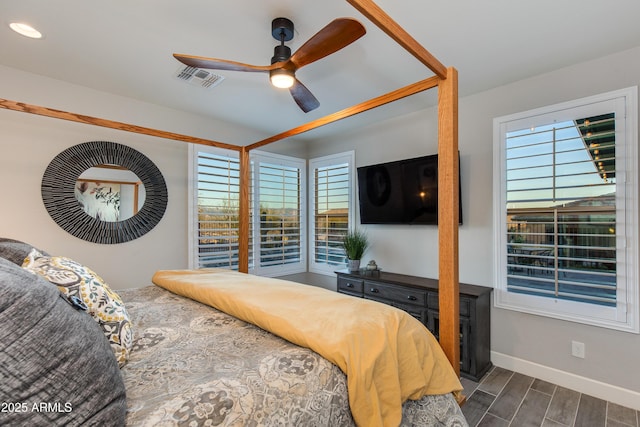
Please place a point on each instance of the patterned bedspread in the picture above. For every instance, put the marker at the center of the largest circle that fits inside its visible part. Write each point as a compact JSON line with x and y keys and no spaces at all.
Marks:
{"x":194,"y":365}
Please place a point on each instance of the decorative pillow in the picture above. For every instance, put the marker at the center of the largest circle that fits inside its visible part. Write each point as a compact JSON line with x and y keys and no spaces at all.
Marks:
{"x":15,"y":250}
{"x":77,"y":282}
{"x":56,"y":368}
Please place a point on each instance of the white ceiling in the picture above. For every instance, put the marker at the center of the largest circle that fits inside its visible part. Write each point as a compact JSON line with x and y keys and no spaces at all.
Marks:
{"x":125,"y":48}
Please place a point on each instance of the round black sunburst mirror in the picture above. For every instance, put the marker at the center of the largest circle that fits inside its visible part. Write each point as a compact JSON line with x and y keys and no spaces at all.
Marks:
{"x":59,"y":192}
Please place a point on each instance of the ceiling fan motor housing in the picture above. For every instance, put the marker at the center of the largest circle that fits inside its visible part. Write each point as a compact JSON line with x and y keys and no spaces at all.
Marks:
{"x":281,"y":53}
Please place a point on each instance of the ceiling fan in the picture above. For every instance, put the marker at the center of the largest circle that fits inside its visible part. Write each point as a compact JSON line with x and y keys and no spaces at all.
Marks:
{"x":337,"y":34}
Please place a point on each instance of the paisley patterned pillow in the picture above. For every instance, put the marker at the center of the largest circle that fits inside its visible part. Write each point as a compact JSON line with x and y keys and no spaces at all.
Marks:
{"x":79,"y":285}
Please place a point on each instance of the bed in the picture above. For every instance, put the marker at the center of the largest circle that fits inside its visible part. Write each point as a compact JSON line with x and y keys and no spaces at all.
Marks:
{"x":190,"y":363}
{"x":160,"y":379}
{"x":444,"y":80}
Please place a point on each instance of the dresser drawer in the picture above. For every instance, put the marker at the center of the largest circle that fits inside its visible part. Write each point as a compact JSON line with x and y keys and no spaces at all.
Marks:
{"x":419,"y":313}
{"x":350,"y":286}
{"x":395,"y":293}
{"x":432,"y":302}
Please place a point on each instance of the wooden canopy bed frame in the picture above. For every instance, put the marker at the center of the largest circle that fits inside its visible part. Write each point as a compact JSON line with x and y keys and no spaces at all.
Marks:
{"x":445,"y":80}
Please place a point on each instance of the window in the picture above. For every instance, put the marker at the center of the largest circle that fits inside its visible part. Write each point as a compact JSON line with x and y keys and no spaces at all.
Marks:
{"x":331,"y":210}
{"x":279,"y":201}
{"x":277,"y":193}
{"x":215,"y":208}
{"x":566,"y":211}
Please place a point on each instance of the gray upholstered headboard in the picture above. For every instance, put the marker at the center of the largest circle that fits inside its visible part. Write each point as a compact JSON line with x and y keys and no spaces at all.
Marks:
{"x":58,"y":368}
{"x":15,"y":250}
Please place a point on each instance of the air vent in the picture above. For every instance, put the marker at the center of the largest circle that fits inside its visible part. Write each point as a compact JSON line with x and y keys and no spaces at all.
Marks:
{"x":198,"y":77}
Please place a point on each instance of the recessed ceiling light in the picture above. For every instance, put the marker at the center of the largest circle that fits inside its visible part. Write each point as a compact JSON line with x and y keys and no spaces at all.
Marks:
{"x":25,"y":30}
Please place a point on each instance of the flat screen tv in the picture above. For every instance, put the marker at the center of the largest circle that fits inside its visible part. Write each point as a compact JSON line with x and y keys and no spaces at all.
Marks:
{"x":400,"y":192}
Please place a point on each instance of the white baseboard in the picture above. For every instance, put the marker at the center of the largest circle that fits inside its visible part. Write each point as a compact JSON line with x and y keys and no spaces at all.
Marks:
{"x":611,"y":393}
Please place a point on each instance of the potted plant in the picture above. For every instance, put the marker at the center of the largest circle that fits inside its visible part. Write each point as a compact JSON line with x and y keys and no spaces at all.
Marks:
{"x":354,"y":243}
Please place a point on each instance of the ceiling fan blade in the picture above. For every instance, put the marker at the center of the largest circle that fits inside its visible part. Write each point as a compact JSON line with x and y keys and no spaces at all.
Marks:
{"x":337,"y":34}
{"x":303,"y":97}
{"x":221,"y":64}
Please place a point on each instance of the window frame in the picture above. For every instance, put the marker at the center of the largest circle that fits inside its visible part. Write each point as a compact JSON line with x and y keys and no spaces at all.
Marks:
{"x":257,"y":157}
{"x":327,"y":161}
{"x":192,"y":199}
{"x":624,"y":316}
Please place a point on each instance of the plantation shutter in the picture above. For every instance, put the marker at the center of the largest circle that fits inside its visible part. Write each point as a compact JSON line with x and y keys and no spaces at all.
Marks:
{"x":279,"y":210}
{"x":561,"y":210}
{"x":218,"y":195}
{"x":331,"y":213}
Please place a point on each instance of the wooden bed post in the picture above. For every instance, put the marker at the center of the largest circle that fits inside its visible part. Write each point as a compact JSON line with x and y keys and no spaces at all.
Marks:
{"x":447,"y":177}
{"x":448,"y":218}
{"x":243,"y":220}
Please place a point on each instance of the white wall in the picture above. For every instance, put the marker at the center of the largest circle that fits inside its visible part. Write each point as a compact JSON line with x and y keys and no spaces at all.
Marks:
{"x":533,"y":344}
{"x":29,"y":142}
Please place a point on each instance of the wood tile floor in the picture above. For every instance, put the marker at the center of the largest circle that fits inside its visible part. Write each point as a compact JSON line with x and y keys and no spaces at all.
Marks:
{"x":505,"y":398}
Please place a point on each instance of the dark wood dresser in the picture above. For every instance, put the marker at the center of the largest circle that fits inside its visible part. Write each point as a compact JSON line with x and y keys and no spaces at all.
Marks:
{"x":419,"y":297}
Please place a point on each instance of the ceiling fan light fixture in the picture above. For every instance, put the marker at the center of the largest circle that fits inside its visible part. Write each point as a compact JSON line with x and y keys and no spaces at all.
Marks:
{"x":281,"y":78}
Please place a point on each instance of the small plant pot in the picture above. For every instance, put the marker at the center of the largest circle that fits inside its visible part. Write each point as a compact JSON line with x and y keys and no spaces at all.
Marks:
{"x":353,"y":264}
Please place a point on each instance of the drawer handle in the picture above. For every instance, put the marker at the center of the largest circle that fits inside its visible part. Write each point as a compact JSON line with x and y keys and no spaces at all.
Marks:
{"x":374,"y":290}
{"x":349,"y":285}
{"x":412,"y":298}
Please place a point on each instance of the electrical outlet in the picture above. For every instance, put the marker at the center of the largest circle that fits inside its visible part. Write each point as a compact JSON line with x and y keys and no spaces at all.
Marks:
{"x":577,"y":349}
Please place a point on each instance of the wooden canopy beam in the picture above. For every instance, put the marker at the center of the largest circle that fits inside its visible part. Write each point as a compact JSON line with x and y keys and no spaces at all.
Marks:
{"x":392,"y":96}
{"x":375,"y":14}
{"x":79,"y":118}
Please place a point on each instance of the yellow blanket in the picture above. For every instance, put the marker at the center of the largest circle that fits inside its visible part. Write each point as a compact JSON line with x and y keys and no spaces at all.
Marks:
{"x":387,"y":355}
